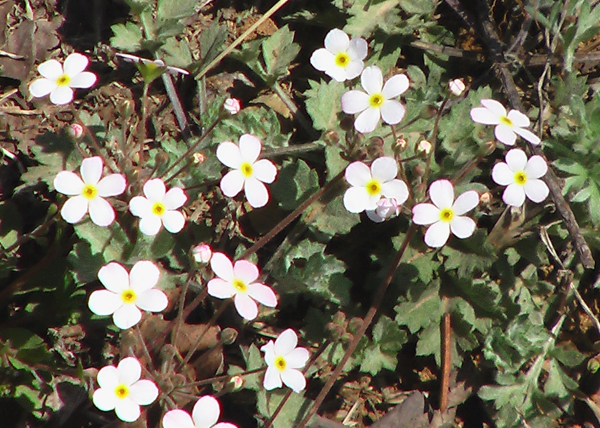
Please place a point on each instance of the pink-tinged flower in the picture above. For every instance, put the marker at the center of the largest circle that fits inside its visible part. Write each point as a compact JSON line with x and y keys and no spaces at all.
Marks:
{"x":445,"y":215}
{"x":507,"y":125}
{"x":377,"y":102}
{"x":457,"y":87}
{"x":205,"y":414}
{"x":342,"y":58}
{"x":247,"y":172}
{"x":284,"y":360}
{"x":58,"y":81}
{"x":122,"y":390}
{"x":232,"y":105}
{"x":75,"y":130}
{"x":202,"y":253}
{"x":127,"y":293}
{"x":88,"y":192}
{"x":370,"y":184}
{"x":237,"y":281}
{"x":386,"y":208}
{"x":522,"y":176}
{"x":158,"y":207}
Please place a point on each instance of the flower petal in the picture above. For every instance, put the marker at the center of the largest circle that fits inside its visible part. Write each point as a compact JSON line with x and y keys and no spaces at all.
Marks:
{"x":42,"y":87}
{"x":358,"y":49}
{"x":143,"y":392}
{"x":61,"y":95}
{"x":462,"y":227}
{"x":127,"y":410}
{"x":465,"y":202}
{"x":108,"y":377}
{"x":371,"y":80}
{"x":516,"y":160}
{"x":127,"y":316}
{"x":484,"y":116}
{"x":269,"y":350}
{"x":396,"y":189}
{"x":111,"y":185}
{"x":140,"y":206}
{"x":265,"y":170}
{"x":536,"y":167}
{"x":51,"y":69}
{"x":114,"y":277}
{"x":425,"y":214}
{"x":262,"y":294}
{"x":101,"y":212}
{"x":528,"y":135}
{"x":68,"y":183}
{"x":245,"y":306}
{"x":502,"y":174}
{"x":91,"y":170}
{"x":250,"y":148}
{"x":155,"y":190}
{"x":143,"y":276}
{"x":173,"y":221}
{"x":441,"y":193}
{"x":177,"y":419}
{"x":221,"y":289}
{"x":150,"y":225}
{"x":518,"y":119}
{"x":514,"y":195}
{"x":75,"y":64}
{"x":286,"y":342}
{"x":232,"y":183}
{"x":256,"y":193}
{"x":354,"y":101}
{"x":384,"y":169}
{"x":206,"y":412}
{"x":358,"y":174}
{"x":294,"y":379}
{"x":437,"y":234}
{"x":297,"y":358}
{"x":104,"y":399}
{"x":174,"y":198}
{"x":222,"y":267}
{"x":505,"y":134}
{"x":152,"y":300}
{"x":336,"y":41}
{"x":396,"y":85}
{"x":323,"y":60}
{"x":74,"y":209}
{"x":536,"y":190}
{"x":392,"y":112}
{"x":353,"y":69}
{"x":272,"y":379}
{"x":83,"y":80}
{"x":245,"y":271}
{"x":104,"y":302}
{"x":367,"y":121}
{"x":130,"y":370}
{"x":494,"y":106}
{"x":356,"y":199}
{"x":229,"y":154}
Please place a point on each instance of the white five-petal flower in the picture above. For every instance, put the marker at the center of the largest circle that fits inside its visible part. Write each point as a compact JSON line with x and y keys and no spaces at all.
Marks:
{"x":58,"y":81}
{"x":159,"y":207}
{"x":377,"y":102}
{"x":283,"y":360}
{"x":88,"y":194}
{"x":205,"y":414}
{"x":237,"y":281}
{"x":247,"y":172}
{"x":127,"y":293}
{"x":507,"y":125}
{"x":342,"y":58}
{"x":522,"y":176}
{"x":445,"y":215}
{"x":122,"y":390}
{"x":369,"y":185}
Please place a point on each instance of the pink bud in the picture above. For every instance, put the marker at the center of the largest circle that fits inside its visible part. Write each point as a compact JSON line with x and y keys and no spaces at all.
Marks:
{"x":75,"y":130}
{"x":485,"y":198}
{"x":456,"y":86}
{"x":424,"y":147}
{"x":202,"y":253}
{"x":232,"y":105}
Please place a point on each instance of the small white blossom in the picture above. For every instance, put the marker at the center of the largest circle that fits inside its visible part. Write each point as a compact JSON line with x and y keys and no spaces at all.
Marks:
{"x":122,"y":390}
{"x":127,"y":293}
{"x":156,"y":63}
{"x":58,"y":81}
{"x":507,"y":125}
{"x":445,"y":215}
{"x":202,"y":253}
{"x":232,"y":105}
{"x":369,"y":185}
{"x":457,"y":87}
{"x":342,"y":58}
{"x":75,"y":130}
{"x":386,"y":208}
{"x":205,"y":414}
{"x":284,"y":360}
{"x":522,"y":176}
{"x":158,"y":207}
{"x":237,"y":281}
{"x":88,"y":192}
{"x":377,"y":102}
{"x":247,"y":173}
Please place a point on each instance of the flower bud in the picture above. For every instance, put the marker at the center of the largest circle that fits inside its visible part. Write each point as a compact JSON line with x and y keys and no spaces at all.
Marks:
{"x":456,"y":87}
{"x":331,"y":137}
{"x":229,"y":336}
{"x":424,"y":147}
{"x":202,"y":254}
{"x":75,"y":131}
{"x":485,"y":198}
{"x":399,"y":145}
{"x":419,"y":170}
{"x":489,"y":147}
{"x":232,"y":105}
{"x":198,"y":158}
{"x":237,"y":383}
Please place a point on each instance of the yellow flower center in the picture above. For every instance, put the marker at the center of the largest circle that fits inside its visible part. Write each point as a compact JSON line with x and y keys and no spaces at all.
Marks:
{"x":520,"y":178}
{"x":63,"y":80}
{"x":121,"y":391}
{"x":280,"y":363}
{"x":246,"y":169}
{"x":158,"y":208}
{"x":89,"y":191}
{"x":506,"y":121}
{"x":128,"y":296}
{"x":446,"y":215}
{"x":240,"y":285}
{"x":376,"y":100}
{"x":342,"y":59}
{"x":373,"y":187}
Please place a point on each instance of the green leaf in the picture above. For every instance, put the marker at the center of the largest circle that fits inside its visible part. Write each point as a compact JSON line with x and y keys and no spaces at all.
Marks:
{"x":323,"y":104}
{"x":127,"y":37}
{"x":212,"y":41}
{"x":176,"y":9}
{"x":420,"y":310}
{"x":294,"y":409}
{"x":11,"y":223}
{"x":568,"y":354}
{"x":295,"y":182}
{"x":279,"y":50}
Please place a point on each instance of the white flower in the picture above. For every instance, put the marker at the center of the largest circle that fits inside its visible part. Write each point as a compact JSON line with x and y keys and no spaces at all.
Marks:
{"x":232,"y":105}
{"x":283,"y":360}
{"x":156,"y":63}
{"x":205,"y":414}
{"x":522,"y":177}
{"x":342,"y":58}
{"x":127,"y":293}
{"x":122,"y":391}
{"x":446,"y":214}
{"x":159,"y":207}
{"x":377,"y":102}
{"x":386,"y":208}
{"x":370,"y":184}
{"x":87,"y":194}
{"x":248,"y":172}
{"x":58,"y":81}
{"x":202,"y":253}
{"x":457,"y":87}
{"x":507,"y":125}
{"x":237,"y":281}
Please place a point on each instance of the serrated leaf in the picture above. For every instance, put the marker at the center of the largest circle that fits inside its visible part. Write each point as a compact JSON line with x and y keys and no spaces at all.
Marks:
{"x":296,"y":181}
{"x":421,"y":310}
{"x":127,"y":37}
{"x":429,"y":342}
{"x":294,"y":409}
{"x":323,"y":104}
{"x":279,"y":50}
{"x":176,"y":9}
{"x":212,"y":41}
